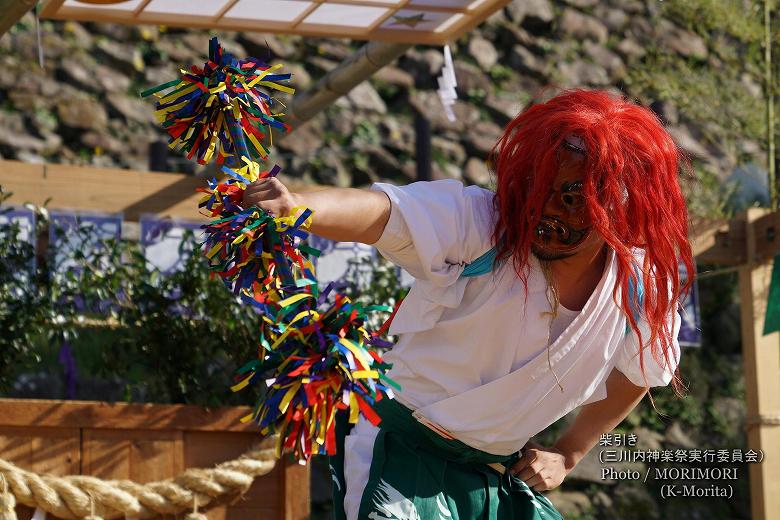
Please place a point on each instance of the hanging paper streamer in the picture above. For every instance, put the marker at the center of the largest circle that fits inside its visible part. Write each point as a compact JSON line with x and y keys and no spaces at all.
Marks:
{"x":221,"y":111}
{"x":315,"y":354}
{"x":447,"y":84}
{"x":772,"y":316}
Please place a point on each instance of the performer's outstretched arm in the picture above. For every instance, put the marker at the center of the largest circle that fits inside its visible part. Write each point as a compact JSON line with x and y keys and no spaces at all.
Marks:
{"x":342,"y":214}
{"x":545,"y":468}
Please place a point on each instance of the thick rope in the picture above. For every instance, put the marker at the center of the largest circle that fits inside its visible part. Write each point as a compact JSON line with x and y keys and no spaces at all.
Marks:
{"x":73,"y":497}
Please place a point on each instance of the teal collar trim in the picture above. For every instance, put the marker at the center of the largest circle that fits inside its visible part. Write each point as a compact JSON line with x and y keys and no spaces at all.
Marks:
{"x":480,"y":266}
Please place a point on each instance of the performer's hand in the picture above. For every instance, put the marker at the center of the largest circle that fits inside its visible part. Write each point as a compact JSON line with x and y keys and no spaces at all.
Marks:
{"x":539,"y":467}
{"x":271,"y":195}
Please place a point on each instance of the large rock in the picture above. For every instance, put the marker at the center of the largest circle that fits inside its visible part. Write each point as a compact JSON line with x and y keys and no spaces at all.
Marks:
{"x":630,"y":49}
{"x":483,"y":52}
{"x":476,"y":172}
{"x":425,"y":66}
{"x":534,"y":15}
{"x":14,"y":142}
{"x":82,"y":112}
{"x":571,"y":504}
{"x":482,"y":138}
{"x":365,"y":97}
{"x":579,"y":25}
{"x":470,"y":78}
{"x":526,"y":62}
{"x":331,"y":170}
{"x":648,"y":439}
{"x":300,"y":79}
{"x":683,"y":42}
{"x":397,"y":136}
{"x":303,"y":140}
{"x":384,"y":163}
{"x":394,"y":76}
{"x":131,"y":109}
{"x":580,"y":73}
{"x":103,"y":141}
{"x":684,"y":138}
{"x":123,"y":57}
{"x":79,"y":72}
{"x":110,"y":81}
{"x":503,"y":108}
{"x":446,"y":171}
{"x":666,"y":111}
{"x":76,"y":33}
{"x":177,"y":51}
{"x":632,"y":503}
{"x":261,"y":45}
{"x":605,"y":58}
{"x":732,"y":411}
{"x":676,"y":437}
{"x":582,"y":4}
{"x":615,"y":19}
{"x":447,"y":150}
{"x":428,"y":103}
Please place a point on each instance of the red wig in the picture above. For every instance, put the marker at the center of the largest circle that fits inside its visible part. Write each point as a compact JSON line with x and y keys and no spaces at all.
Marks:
{"x":632,"y":196}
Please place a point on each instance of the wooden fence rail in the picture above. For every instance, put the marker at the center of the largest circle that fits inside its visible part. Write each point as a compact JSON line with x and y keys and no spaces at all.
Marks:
{"x":144,"y":443}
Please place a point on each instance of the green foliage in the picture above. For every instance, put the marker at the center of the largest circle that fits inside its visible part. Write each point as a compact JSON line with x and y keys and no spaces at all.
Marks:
{"x":706,"y":196}
{"x":175,"y":338}
{"x":714,"y":98}
{"x":366,"y":133}
{"x":740,"y":19}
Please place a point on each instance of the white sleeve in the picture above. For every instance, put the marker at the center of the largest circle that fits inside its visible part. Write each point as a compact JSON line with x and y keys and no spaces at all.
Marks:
{"x":435,"y":228}
{"x":657,"y":374}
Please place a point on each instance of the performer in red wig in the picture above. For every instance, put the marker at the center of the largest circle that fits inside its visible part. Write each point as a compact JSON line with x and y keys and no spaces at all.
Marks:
{"x":557,"y":291}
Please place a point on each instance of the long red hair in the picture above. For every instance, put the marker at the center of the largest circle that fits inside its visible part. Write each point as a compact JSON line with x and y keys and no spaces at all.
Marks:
{"x":632,"y":195}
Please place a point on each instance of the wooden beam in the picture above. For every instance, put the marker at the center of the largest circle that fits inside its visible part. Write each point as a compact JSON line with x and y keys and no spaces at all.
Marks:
{"x":11,"y":11}
{"x":132,"y":193}
{"x":719,"y":242}
{"x":88,"y":414}
{"x":761,"y":358}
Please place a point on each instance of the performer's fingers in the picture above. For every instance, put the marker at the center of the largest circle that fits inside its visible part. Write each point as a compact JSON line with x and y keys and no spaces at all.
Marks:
{"x":526,"y":474}
{"x":528,"y":457}
{"x":535,"y":480}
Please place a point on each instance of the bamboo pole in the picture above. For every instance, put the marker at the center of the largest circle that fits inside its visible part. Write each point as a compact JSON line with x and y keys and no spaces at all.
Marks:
{"x":11,"y":11}
{"x":339,"y":81}
{"x":770,"y":105}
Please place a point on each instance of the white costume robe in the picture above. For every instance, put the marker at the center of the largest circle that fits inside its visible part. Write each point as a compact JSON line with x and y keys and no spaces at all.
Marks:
{"x":472,"y":356}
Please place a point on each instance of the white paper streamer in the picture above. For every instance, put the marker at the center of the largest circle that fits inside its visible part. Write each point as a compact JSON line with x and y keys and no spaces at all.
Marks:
{"x":447,"y":84}
{"x":39,"y":514}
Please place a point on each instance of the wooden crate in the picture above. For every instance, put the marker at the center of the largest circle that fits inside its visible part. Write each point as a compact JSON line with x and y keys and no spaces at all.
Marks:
{"x":145,"y":443}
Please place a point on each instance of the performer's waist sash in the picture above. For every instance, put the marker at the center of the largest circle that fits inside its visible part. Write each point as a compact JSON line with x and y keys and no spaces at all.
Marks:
{"x":398,"y":418}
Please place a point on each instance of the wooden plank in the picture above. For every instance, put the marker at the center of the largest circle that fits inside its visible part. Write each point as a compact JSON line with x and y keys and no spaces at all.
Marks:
{"x":132,"y":193}
{"x":43,"y":450}
{"x":721,"y":243}
{"x":119,"y":416}
{"x":264,"y":498}
{"x":297,"y":500}
{"x":761,"y":358}
{"x":766,"y":230}
{"x":139,"y":455}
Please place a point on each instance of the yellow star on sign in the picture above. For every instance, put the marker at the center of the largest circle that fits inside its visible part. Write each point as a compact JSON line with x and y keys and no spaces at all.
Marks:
{"x":409,"y":21}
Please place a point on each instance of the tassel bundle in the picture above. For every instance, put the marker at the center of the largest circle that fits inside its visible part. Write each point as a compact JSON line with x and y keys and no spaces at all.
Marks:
{"x":315,"y":354}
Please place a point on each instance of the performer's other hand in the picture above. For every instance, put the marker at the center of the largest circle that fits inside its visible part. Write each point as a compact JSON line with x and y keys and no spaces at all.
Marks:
{"x":540,"y":467}
{"x":271,"y":195}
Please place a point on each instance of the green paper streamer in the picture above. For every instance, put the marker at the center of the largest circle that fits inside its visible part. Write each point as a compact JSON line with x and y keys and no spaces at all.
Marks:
{"x":772,"y":316}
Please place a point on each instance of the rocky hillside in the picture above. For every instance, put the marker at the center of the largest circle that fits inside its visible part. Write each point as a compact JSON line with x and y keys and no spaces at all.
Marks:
{"x":696,"y":64}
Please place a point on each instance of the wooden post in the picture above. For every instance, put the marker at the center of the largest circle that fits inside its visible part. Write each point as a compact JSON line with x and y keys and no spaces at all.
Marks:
{"x":761,"y":355}
{"x":11,"y":11}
